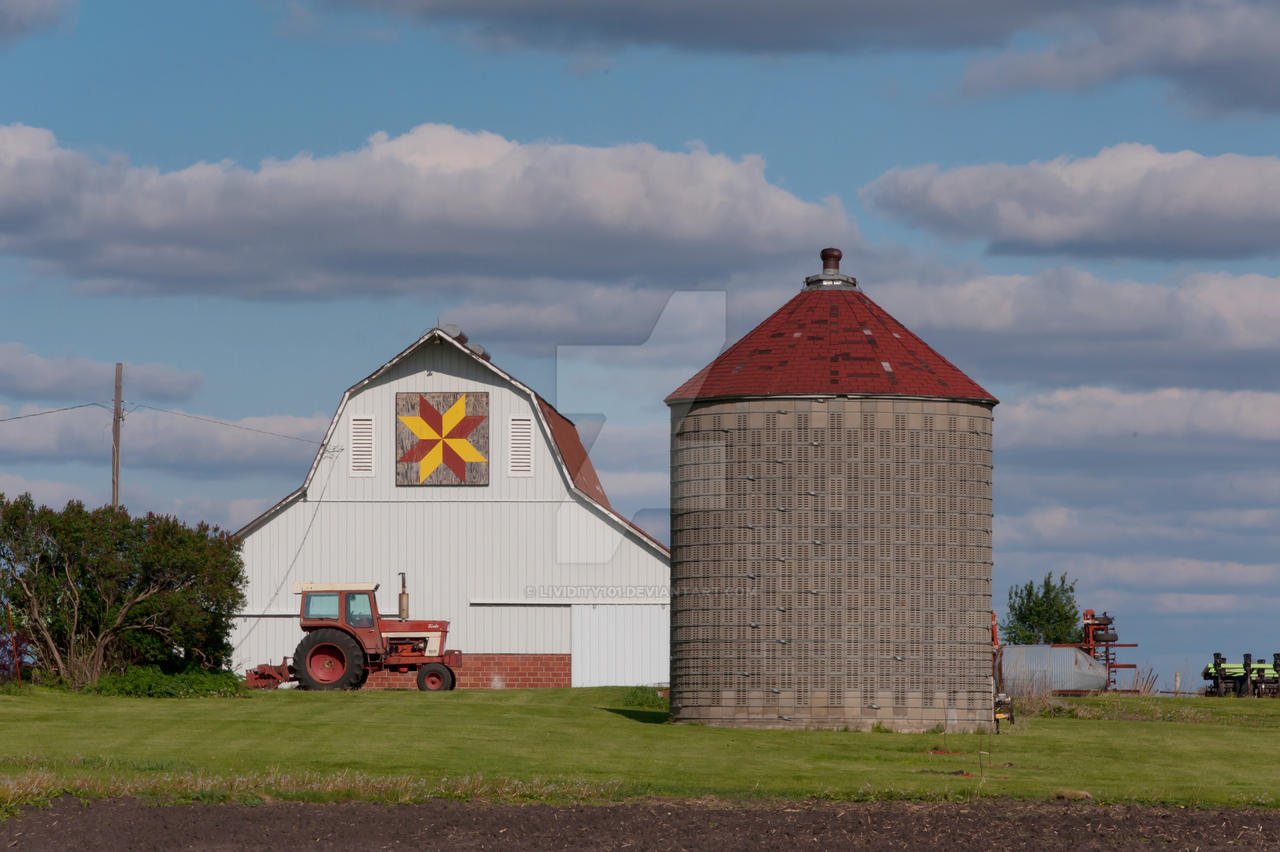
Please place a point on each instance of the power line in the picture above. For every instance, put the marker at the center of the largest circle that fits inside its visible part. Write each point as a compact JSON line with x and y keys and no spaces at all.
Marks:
{"x":224,"y":423}
{"x":53,"y":411}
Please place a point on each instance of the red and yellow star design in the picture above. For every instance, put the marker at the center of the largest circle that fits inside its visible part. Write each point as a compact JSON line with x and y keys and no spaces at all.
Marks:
{"x":442,"y":438}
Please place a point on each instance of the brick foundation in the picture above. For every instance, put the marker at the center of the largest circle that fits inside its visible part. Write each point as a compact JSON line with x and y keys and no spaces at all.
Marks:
{"x":514,"y":671}
{"x":491,"y":671}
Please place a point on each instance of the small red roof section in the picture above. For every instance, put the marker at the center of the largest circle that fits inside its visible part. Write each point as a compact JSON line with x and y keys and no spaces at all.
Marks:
{"x":830,"y":339}
{"x":569,"y":442}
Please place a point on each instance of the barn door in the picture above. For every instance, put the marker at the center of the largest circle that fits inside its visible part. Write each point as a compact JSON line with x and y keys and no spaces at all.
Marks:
{"x":620,"y":645}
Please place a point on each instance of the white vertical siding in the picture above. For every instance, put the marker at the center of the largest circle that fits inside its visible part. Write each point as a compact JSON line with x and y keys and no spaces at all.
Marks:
{"x":620,"y":645}
{"x":501,"y":562}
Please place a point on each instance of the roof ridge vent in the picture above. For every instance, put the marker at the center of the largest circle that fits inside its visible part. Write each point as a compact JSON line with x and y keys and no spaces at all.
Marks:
{"x":830,"y":277}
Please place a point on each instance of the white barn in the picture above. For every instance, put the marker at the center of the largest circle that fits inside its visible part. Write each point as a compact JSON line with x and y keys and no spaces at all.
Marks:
{"x":443,"y":466}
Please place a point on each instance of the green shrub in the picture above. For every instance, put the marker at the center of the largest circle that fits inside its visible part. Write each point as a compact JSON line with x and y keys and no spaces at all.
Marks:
{"x":151,"y":682}
{"x":645,"y":697}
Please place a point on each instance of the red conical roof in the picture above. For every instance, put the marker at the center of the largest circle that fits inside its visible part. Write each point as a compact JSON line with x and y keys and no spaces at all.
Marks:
{"x":830,"y":339}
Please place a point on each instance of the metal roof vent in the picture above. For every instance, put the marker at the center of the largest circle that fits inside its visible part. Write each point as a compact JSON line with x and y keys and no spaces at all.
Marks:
{"x":830,"y":277}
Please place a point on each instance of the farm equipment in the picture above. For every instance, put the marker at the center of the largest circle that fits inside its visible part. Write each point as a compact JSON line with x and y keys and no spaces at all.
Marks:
{"x":1246,"y":679}
{"x":1100,"y":644}
{"x":1063,"y":668}
{"x":346,"y":639}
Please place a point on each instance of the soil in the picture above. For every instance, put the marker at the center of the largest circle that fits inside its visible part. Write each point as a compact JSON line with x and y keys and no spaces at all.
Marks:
{"x":109,"y":824}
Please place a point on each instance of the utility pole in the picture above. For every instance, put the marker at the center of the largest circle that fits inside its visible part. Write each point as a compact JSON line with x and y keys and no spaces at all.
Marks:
{"x":115,"y":438}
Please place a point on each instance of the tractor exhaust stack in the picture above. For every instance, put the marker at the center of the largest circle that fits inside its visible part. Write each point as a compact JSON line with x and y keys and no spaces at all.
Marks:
{"x":404,"y":600}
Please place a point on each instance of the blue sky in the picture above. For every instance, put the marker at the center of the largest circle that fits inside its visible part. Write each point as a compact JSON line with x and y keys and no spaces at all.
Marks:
{"x":255,"y":203}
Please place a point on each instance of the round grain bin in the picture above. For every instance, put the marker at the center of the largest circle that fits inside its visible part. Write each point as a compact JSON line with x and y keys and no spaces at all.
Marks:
{"x":831,"y":526}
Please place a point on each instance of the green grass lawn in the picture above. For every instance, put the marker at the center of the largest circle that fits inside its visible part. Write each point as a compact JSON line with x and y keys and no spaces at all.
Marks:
{"x":585,"y":745}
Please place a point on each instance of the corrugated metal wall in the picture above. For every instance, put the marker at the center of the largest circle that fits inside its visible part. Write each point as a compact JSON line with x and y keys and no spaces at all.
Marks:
{"x":1032,"y":669}
{"x":831,"y":563}
{"x":501,"y":562}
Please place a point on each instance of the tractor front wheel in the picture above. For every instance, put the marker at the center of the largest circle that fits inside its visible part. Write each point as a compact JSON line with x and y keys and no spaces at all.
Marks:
{"x":434,"y":677}
{"x":329,"y":659}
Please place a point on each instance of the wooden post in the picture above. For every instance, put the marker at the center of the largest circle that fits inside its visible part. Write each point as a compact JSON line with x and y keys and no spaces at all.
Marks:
{"x":17,"y":664}
{"x":115,"y":438}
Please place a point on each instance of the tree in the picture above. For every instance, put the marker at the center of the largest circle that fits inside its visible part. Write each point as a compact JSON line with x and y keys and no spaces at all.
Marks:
{"x":1044,"y":615}
{"x":97,"y":590}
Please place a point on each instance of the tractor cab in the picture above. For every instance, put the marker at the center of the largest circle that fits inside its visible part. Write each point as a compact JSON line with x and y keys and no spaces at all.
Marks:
{"x":351,"y":607}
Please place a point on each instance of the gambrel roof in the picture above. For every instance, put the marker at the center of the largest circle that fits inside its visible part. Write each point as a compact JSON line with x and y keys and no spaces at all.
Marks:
{"x":571,"y":456}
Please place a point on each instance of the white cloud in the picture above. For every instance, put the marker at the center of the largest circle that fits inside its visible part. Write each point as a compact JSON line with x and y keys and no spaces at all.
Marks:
{"x":419,"y":210}
{"x":635,"y":489}
{"x":26,"y":375}
{"x":1176,"y":603}
{"x":1128,"y":200}
{"x":1081,"y":416}
{"x":20,"y":17}
{"x":46,"y":491}
{"x":1147,"y":571}
{"x":157,"y":440}
{"x":1059,"y":525}
{"x":1209,"y":310}
{"x":228,"y":514}
{"x":1217,"y":53}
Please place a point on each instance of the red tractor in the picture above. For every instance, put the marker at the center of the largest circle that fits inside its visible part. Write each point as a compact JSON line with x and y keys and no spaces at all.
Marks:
{"x":346,"y":639}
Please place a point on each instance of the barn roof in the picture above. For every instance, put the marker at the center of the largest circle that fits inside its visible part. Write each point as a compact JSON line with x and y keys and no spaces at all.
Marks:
{"x":566,"y":444}
{"x":830,"y":339}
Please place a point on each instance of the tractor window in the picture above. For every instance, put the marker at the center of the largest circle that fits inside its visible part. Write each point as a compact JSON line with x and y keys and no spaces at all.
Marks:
{"x":359,"y":612}
{"x":322,"y":606}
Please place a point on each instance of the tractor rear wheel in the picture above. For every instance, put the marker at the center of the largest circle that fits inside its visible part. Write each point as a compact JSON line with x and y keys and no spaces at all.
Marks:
{"x":434,"y":677}
{"x":329,"y":659}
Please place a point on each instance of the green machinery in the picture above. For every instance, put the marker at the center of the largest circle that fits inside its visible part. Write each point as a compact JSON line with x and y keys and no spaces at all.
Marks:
{"x":1248,"y":679}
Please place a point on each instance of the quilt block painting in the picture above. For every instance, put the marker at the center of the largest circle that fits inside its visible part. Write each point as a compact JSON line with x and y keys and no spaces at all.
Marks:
{"x":442,"y":438}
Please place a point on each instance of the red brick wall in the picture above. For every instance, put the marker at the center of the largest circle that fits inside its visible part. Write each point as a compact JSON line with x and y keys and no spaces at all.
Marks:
{"x":491,"y":671}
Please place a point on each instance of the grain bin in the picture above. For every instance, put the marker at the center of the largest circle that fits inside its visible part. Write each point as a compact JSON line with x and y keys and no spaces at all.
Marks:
{"x":831,"y":526}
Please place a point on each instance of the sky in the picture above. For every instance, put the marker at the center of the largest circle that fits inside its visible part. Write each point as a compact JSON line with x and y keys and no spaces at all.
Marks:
{"x":253,"y":204}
